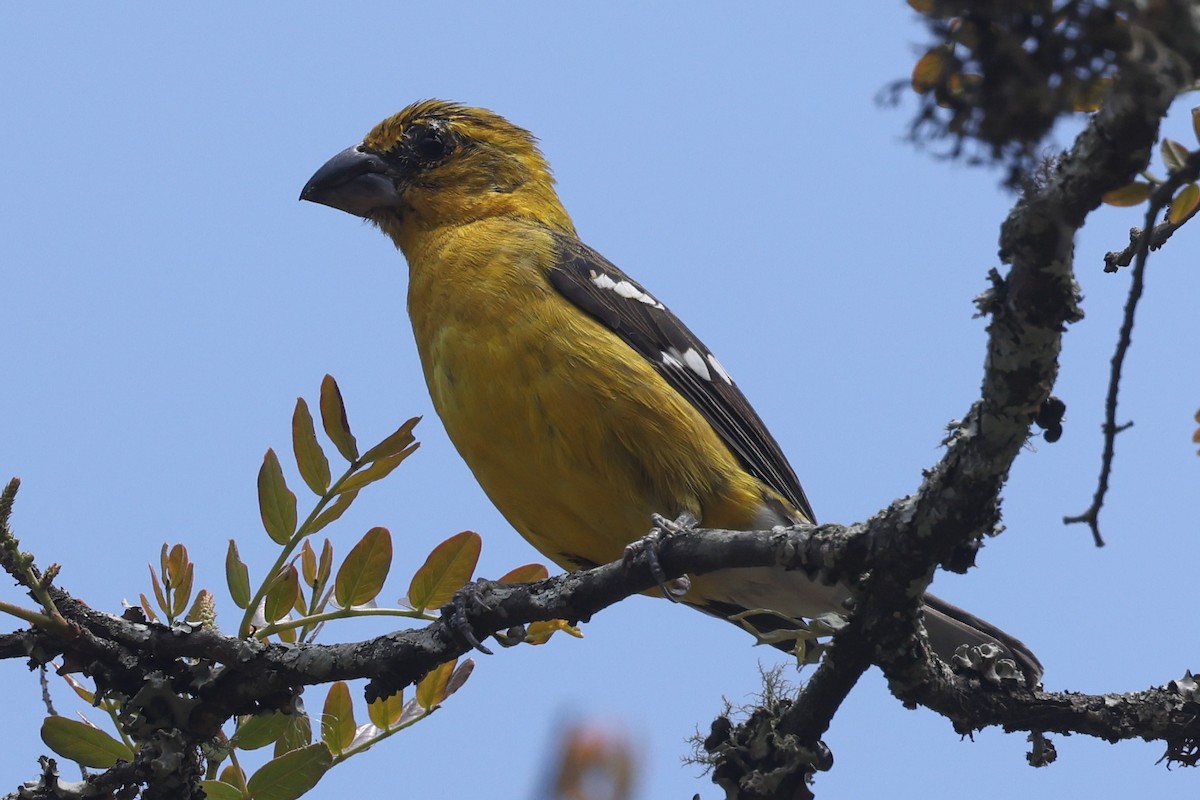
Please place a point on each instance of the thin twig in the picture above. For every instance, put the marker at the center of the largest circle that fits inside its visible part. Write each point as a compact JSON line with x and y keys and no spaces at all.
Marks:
{"x":1145,"y":240}
{"x":47,"y":700}
{"x":1159,"y":235}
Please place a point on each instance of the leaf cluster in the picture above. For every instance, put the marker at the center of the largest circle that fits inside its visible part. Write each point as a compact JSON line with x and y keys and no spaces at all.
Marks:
{"x":1000,"y":74}
{"x":291,"y":602}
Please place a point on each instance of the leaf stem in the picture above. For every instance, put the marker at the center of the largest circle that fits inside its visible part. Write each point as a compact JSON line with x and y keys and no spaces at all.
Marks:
{"x":342,"y":613}
{"x":302,"y":532}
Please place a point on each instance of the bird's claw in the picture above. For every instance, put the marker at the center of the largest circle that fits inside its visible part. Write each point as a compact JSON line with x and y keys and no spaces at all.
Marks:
{"x":771,"y":627}
{"x":457,"y":614}
{"x":674,"y":588}
{"x":670,"y":527}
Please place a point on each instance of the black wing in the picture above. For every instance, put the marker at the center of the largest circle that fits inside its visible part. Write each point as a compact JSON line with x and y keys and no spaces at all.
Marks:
{"x":597,"y":286}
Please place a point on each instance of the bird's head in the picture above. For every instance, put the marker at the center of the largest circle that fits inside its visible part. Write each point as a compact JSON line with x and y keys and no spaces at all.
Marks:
{"x":438,"y":164}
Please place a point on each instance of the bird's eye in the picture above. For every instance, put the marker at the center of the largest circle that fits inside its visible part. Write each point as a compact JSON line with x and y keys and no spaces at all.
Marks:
{"x":430,"y":144}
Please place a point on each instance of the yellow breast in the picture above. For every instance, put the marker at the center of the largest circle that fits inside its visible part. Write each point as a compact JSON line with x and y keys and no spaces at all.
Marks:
{"x":573,"y":435}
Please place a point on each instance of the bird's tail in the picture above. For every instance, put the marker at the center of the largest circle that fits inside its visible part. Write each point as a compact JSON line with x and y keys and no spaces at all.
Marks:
{"x":729,"y":593}
{"x":950,"y":626}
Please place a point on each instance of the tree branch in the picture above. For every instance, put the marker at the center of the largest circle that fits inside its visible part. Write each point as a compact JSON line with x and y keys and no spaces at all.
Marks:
{"x":233,"y":676}
{"x":181,"y":684}
{"x":958,"y":503}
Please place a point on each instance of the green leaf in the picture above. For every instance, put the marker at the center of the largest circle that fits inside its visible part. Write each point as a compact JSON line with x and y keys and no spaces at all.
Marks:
{"x":219,"y":790}
{"x":237,"y":576}
{"x":292,"y":774}
{"x":337,"y":718}
{"x":1128,"y":195}
{"x":333,"y":418}
{"x":377,"y":471}
{"x":1184,"y":204}
{"x":234,"y":776}
{"x":310,"y":458}
{"x":259,"y":730}
{"x":445,"y":571}
{"x":1174,"y":154}
{"x":80,"y":742}
{"x":276,"y":503}
{"x":385,"y":711}
{"x":296,"y":735}
{"x":931,"y":69}
{"x":281,"y":597}
{"x":325,"y":566}
{"x":308,"y":563}
{"x":540,"y":632}
{"x":431,"y":691}
{"x":335,"y":510}
{"x":1196,"y":122}
{"x":393,"y":444}
{"x":361,"y":576}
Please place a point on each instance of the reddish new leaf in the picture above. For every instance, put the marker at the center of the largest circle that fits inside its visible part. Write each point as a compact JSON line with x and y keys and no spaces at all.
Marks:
{"x":333,"y":418}
{"x":333,"y":511}
{"x":525,"y":574}
{"x":394,"y":443}
{"x":377,"y":471}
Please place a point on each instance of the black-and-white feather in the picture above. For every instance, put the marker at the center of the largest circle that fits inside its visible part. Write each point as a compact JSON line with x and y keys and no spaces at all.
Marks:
{"x":598,"y":287}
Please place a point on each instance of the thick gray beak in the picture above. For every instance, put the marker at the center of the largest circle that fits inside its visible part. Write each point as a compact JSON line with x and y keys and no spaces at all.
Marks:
{"x":355,"y":181}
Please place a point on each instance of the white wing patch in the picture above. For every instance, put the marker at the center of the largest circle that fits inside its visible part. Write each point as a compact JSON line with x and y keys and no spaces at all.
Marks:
{"x":624,"y":289}
{"x":696,"y":363}
{"x":717,"y":368}
{"x":692,"y":360}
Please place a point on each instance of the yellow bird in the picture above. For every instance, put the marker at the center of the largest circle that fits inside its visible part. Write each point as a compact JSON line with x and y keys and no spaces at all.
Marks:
{"x":580,"y":402}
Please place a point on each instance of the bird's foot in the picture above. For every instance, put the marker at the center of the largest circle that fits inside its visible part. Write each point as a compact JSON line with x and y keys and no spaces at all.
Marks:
{"x":800,"y":637}
{"x":457,"y":614}
{"x":673,"y":588}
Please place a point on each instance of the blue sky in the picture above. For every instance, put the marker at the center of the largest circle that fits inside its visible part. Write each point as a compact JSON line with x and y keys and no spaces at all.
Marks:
{"x":167,"y":299}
